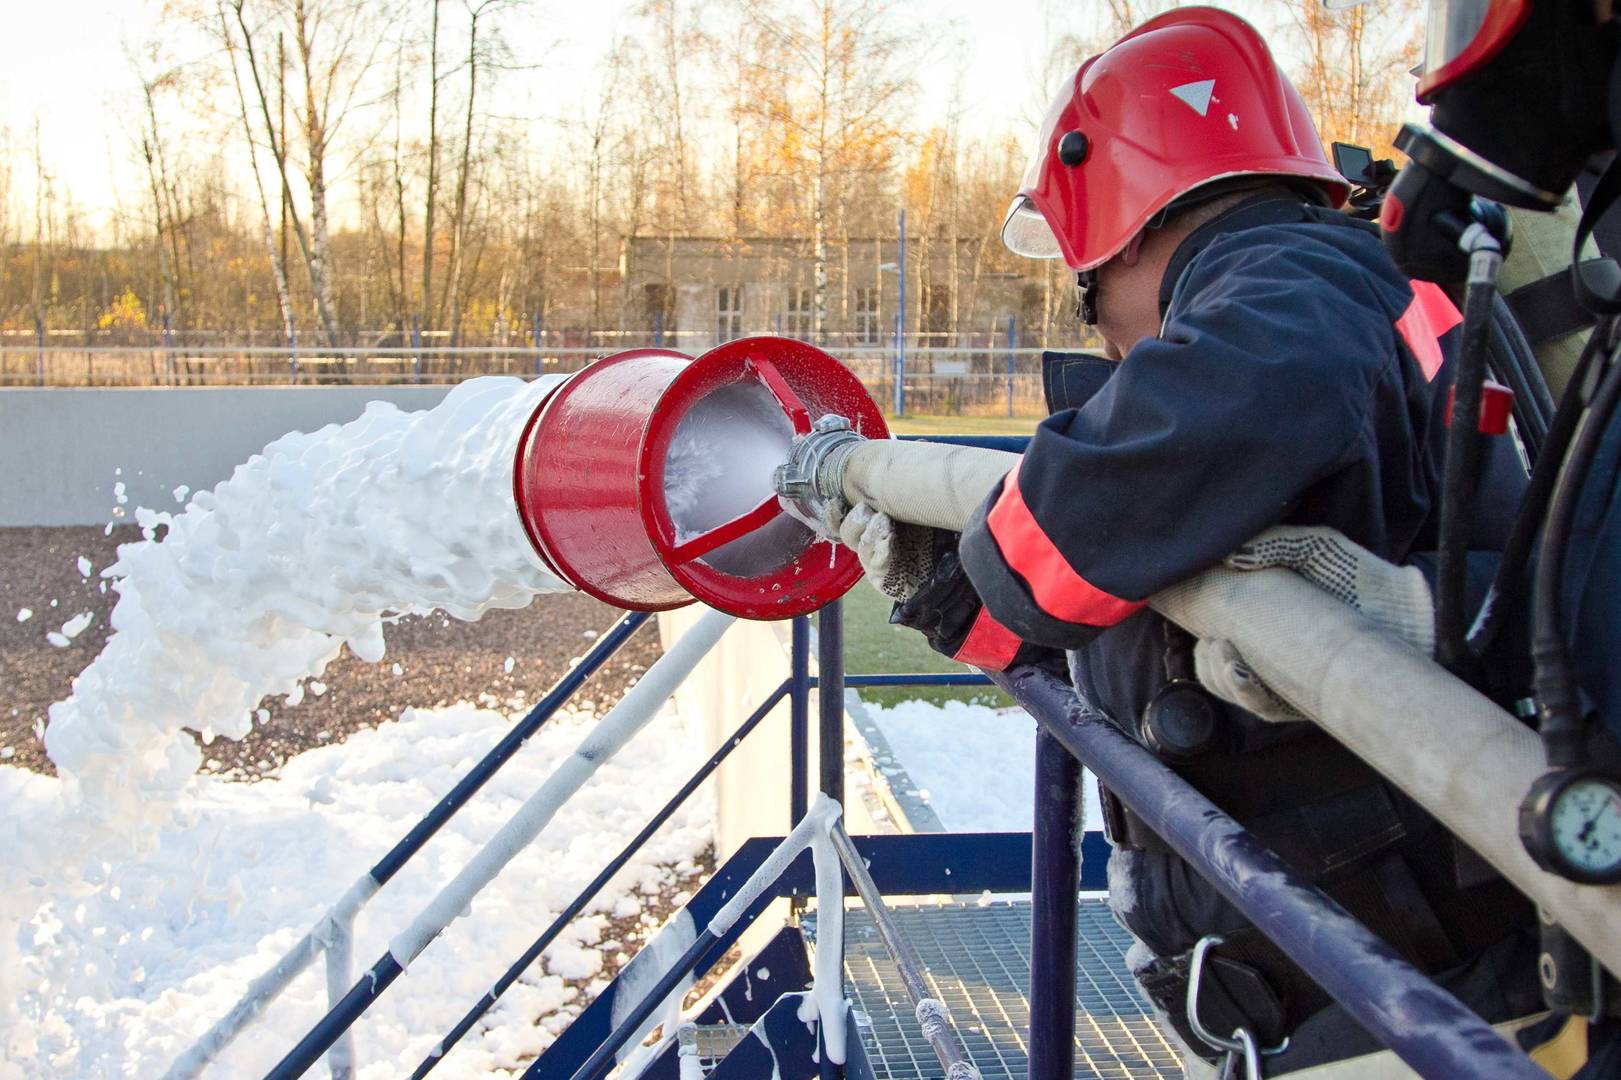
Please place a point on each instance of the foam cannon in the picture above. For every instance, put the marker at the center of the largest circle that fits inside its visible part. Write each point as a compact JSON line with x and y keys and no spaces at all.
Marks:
{"x":646,"y":479}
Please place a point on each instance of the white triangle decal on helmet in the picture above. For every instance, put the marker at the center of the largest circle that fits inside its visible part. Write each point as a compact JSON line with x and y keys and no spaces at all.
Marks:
{"x":1196,"y":95}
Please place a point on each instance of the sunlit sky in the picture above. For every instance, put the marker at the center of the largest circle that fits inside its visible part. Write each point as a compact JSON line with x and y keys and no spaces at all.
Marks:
{"x":68,"y":69}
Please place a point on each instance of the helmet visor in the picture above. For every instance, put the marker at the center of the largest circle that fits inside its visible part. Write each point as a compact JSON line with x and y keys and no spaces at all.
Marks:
{"x":1462,"y":36}
{"x":1026,"y":232}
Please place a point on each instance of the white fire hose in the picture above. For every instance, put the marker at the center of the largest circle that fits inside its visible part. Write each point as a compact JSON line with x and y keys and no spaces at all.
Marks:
{"x":1446,"y":746}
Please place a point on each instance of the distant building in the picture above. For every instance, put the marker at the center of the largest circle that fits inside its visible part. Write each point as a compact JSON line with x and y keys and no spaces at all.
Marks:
{"x":693,"y":292}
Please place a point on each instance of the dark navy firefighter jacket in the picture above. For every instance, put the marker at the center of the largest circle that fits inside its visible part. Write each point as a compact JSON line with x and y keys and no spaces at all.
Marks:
{"x":1297,"y":379}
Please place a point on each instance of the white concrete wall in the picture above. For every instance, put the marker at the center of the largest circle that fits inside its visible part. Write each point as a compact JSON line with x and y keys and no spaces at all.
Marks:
{"x":59,"y":448}
{"x":752,"y":786}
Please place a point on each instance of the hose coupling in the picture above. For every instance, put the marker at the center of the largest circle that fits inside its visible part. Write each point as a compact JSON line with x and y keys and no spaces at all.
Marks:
{"x":811,"y":481}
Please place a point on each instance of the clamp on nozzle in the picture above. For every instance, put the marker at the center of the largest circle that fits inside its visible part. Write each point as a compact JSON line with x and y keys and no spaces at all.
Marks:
{"x":810,"y":484}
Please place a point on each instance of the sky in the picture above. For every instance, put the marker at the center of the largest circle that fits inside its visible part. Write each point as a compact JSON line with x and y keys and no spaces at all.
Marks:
{"x":75,"y":78}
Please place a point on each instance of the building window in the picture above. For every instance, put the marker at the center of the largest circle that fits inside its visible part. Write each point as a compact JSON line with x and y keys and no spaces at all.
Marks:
{"x":800,"y":321}
{"x":867,"y":315}
{"x":728,"y":312}
{"x":659,"y":307}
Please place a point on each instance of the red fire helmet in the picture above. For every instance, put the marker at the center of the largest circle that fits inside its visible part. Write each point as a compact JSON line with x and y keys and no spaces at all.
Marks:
{"x":1189,"y":97}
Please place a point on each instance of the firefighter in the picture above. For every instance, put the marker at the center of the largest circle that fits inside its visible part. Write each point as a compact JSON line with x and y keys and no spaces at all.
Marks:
{"x":1266,"y":364}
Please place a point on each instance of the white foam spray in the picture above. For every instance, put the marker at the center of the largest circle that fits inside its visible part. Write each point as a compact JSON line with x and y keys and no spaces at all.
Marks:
{"x":257,"y":584}
{"x":720,"y":465}
{"x":254,"y":587}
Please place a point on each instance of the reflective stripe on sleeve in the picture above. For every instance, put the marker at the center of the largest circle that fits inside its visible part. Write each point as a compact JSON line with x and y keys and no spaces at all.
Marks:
{"x":1431,"y":314}
{"x":989,"y":644}
{"x":1057,"y":589}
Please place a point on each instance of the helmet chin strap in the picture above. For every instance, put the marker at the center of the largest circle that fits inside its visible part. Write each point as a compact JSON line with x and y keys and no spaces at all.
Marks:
{"x":1086,"y":296}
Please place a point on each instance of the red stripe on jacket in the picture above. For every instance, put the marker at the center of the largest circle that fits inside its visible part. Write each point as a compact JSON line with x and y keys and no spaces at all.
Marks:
{"x":1030,"y":552}
{"x":989,"y":644}
{"x":1431,"y":314}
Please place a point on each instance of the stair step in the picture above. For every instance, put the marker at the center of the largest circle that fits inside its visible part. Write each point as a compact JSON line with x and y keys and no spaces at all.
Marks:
{"x":977,"y":963}
{"x":709,"y":1042}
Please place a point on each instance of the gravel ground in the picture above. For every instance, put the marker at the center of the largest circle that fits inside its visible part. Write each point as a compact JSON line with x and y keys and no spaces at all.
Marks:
{"x":441,"y":660}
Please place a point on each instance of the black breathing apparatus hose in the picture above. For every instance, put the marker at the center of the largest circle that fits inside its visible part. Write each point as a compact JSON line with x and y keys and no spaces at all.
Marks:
{"x":1558,"y":703}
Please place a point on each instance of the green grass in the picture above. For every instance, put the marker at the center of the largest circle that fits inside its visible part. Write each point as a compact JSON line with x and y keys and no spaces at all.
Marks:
{"x":963,"y":425}
{"x":872,"y":645}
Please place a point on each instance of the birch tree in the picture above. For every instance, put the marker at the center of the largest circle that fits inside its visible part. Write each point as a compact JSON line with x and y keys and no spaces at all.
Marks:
{"x":845,"y":72}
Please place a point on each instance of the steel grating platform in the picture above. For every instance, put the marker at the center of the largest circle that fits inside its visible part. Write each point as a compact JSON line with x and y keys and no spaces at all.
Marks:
{"x":978,"y":964}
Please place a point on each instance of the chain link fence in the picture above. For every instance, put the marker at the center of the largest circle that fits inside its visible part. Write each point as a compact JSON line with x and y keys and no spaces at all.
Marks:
{"x":929,"y":379}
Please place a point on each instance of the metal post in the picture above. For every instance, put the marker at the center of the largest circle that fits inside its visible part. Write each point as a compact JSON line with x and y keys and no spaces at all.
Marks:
{"x":535,"y":335}
{"x":39,"y":345}
{"x":416,"y":346}
{"x":799,"y":721}
{"x":339,"y":955}
{"x":900,"y":322}
{"x":168,"y":350}
{"x":830,"y":762}
{"x":658,"y":329}
{"x":1010,"y":366}
{"x":830,"y":697}
{"x":1055,"y":870}
{"x":292,"y":356}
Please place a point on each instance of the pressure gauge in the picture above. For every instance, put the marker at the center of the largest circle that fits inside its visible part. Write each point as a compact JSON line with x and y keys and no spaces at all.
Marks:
{"x":1570,"y":823}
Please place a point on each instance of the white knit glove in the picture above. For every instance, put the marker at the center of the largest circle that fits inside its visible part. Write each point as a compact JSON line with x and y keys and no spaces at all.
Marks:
{"x":1224,"y":672}
{"x":897,"y":557}
{"x":1394,"y":598}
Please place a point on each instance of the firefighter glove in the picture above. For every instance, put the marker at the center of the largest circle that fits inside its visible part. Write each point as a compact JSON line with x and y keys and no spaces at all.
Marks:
{"x":1394,"y":598}
{"x":897,"y":557}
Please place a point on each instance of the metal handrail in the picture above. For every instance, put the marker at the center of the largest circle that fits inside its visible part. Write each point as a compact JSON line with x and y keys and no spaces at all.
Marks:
{"x":635,"y":708}
{"x":332,"y":932}
{"x":933,"y":1017}
{"x":1424,"y":1025}
{"x":589,"y":893}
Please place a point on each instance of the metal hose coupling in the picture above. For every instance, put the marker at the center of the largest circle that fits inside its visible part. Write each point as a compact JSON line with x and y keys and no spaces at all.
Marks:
{"x":811,"y":482}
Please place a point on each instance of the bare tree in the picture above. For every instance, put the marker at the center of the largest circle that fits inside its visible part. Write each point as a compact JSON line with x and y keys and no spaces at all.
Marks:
{"x":479,"y":55}
{"x":278,"y":267}
{"x":1353,"y":75}
{"x":844,"y":82}
{"x":429,"y":200}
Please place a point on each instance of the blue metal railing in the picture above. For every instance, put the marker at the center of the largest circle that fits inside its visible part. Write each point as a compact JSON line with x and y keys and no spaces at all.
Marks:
{"x":1426,"y":1026}
{"x":589,"y":893}
{"x":333,"y":933}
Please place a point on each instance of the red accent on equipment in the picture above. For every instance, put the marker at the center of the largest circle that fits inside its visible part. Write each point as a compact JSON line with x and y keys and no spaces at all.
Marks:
{"x":1056,"y":587}
{"x":989,"y":644}
{"x":1503,"y":19}
{"x":1496,"y":407}
{"x":1391,"y":211}
{"x":589,"y":481}
{"x":1189,"y":97}
{"x":1431,"y":314}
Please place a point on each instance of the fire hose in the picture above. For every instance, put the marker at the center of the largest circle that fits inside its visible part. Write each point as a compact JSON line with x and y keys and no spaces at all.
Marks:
{"x":1423,"y":729}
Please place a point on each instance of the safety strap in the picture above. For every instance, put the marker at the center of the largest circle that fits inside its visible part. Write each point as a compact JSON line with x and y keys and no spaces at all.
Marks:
{"x":1547,"y":309}
{"x":1597,"y":282}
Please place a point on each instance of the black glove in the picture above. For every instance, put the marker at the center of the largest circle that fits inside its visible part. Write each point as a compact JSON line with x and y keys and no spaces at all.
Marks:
{"x":945,"y":608}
